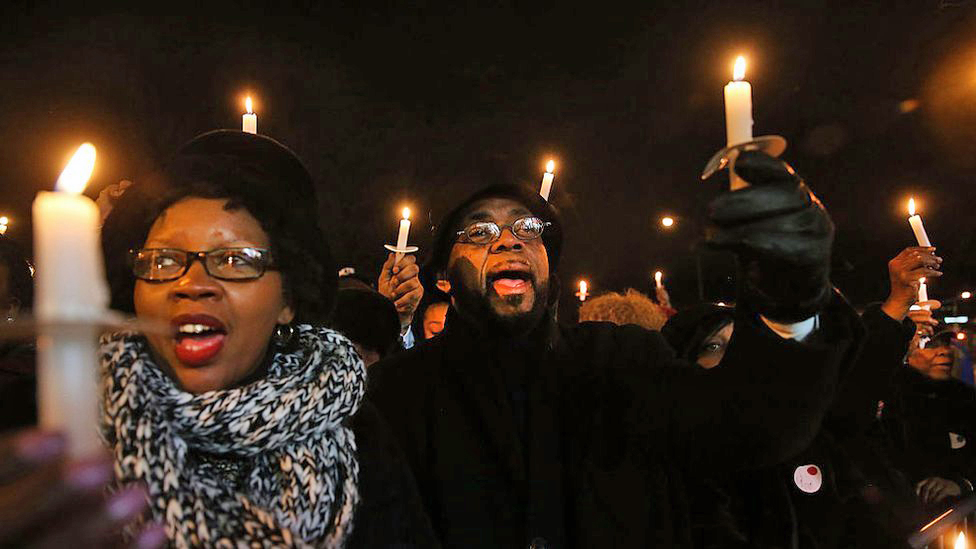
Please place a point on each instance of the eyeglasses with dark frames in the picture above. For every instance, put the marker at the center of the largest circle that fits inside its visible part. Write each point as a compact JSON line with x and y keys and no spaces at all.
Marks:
{"x":166,"y":264}
{"x":486,"y":232}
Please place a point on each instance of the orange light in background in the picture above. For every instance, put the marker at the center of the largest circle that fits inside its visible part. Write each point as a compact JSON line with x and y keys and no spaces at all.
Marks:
{"x":960,"y":541}
{"x":667,"y":221}
{"x":961,"y":336}
{"x":966,"y":295}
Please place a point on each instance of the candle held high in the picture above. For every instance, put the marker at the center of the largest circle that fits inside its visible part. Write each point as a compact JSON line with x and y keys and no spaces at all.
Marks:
{"x":918,"y":228}
{"x":249,"y":124}
{"x":71,"y":298}
{"x":738,"y":115}
{"x":547,"y":180}
{"x":401,"y":247}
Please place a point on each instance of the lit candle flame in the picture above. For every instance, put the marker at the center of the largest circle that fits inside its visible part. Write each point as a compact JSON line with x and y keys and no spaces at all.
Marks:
{"x":922,"y":280}
{"x":4,"y":220}
{"x":911,"y":206}
{"x":406,"y":213}
{"x":582,"y":291}
{"x":961,"y":541}
{"x":550,"y":166}
{"x":248,"y":105}
{"x":79,"y":169}
{"x":658,"y":276}
{"x":739,"y":70}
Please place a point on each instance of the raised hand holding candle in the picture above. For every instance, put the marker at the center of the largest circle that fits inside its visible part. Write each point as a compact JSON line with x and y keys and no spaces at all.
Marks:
{"x":71,"y":296}
{"x":250,"y":122}
{"x":918,"y":228}
{"x":547,"y":180}
{"x":738,"y":114}
{"x":402,"y":235}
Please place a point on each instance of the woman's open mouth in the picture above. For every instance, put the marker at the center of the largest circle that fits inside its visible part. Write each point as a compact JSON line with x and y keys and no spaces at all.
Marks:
{"x":199,"y":338}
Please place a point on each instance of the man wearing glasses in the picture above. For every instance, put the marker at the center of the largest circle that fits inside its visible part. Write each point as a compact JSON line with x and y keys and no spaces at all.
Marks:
{"x":521,"y":433}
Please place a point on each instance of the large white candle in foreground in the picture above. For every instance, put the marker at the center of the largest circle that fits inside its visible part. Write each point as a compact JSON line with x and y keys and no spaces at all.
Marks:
{"x":738,"y":113}
{"x":402,"y":235}
{"x":916,"y":222}
{"x":71,"y":294}
{"x":250,"y":122}
{"x":547,"y":180}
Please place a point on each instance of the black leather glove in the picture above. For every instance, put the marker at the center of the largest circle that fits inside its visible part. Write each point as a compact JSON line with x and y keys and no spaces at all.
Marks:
{"x":782,"y":236}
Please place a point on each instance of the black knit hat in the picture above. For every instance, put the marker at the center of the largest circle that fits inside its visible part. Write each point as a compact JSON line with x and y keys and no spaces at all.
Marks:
{"x":687,"y":330}
{"x":252,"y":171}
{"x":446,"y":231}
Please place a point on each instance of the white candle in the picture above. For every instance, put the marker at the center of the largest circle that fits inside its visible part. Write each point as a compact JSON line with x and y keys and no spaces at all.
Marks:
{"x":738,"y":114}
{"x":547,"y":180}
{"x":923,"y":292}
{"x":402,"y":236}
{"x":250,"y":122}
{"x":582,"y":290}
{"x":917,"y":227}
{"x":71,"y":294}
{"x":657,"y":279}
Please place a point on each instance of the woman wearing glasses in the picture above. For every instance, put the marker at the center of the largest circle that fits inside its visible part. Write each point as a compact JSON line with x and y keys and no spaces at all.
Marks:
{"x":242,"y":416}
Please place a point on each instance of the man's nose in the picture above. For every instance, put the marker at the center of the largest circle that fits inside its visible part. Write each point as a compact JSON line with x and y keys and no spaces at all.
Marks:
{"x":507,"y":242}
{"x":196,"y":284}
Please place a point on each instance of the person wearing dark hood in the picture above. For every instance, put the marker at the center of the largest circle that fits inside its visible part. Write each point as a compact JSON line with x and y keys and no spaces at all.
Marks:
{"x":821,"y":497}
{"x":524,"y":434}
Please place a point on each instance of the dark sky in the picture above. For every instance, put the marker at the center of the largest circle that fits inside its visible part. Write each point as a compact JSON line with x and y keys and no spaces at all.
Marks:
{"x":420,"y":106}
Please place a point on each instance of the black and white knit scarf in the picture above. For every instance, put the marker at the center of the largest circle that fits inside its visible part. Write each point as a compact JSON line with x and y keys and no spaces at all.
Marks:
{"x":301,"y":484}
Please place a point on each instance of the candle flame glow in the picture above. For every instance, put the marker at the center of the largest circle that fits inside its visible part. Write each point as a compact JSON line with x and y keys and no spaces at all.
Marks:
{"x":922,"y":280}
{"x":911,"y":206}
{"x":739,"y":70}
{"x":582,"y":290}
{"x":658,"y":276}
{"x":248,"y":105}
{"x":406,"y":213}
{"x":79,"y":169}
{"x":960,"y":541}
{"x":550,"y":166}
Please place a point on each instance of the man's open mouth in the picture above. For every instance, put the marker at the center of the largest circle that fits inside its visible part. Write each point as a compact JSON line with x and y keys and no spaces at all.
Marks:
{"x":510,"y":282}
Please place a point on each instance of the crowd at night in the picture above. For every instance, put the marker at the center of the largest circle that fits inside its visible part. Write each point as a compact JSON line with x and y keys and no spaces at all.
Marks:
{"x":669,"y":275}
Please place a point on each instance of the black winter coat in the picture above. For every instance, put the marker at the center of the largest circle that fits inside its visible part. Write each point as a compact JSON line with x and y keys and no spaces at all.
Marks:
{"x":577,"y":440}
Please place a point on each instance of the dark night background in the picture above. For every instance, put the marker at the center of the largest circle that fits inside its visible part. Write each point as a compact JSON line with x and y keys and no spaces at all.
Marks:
{"x":422,"y":105}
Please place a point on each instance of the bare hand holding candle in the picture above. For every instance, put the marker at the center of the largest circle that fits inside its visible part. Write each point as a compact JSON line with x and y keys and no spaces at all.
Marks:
{"x":71,"y":298}
{"x":401,"y":246}
{"x":547,"y":180}
{"x":250,"y":121}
